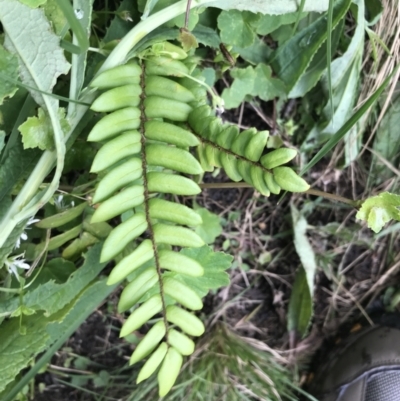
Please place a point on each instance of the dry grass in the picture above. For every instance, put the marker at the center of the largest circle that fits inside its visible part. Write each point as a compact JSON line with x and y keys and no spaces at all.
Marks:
{"x":388,"y":29}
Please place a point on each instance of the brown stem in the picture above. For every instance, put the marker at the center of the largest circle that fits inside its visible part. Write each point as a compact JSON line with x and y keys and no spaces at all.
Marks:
{"x":315,"y":192}
{"x":187,"y":14}
{"x":143,"y":119}
{"x":225,"y":185}
{"x":334,"y":197}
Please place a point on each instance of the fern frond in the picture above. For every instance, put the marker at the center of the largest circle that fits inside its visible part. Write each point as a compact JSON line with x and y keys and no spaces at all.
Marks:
{"x":240,"y":154}
{"x":145,"y":156}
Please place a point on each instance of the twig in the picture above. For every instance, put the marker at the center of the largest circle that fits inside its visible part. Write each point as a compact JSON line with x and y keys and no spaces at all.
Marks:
{"x":315,"y":192}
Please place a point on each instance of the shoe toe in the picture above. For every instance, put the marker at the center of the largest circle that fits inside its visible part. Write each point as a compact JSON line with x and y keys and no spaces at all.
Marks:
{"x":350,"y":373}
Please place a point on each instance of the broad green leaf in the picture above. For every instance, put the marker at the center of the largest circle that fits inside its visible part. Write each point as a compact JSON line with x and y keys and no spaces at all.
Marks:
{"x":37,"y":132}
{"x":266,"y":87}
{"x":84,"y":303}
{"x":211,"y":227}
{"x":300,"y":305}
{"x":209,"y":75}
{"x":268,"y":23}
{"x":17,"y":351}
{"x":206,"y":36}
{"x":294,"y":56}
{"x":243,"y":84}
{"x":317,"y":66}
{"x":32,"y":36}
{"x":51,"y":297}
{"x":252,"y":81}
{"x":57,"y":270}
{"x":270,"y":6}
{"x":238,"y":27}
{"x":214,"y":264}
{"x":8,"y":68}
{"x":303,"y":247}
{"x":257,"y":53}
{"x":380,"y":209}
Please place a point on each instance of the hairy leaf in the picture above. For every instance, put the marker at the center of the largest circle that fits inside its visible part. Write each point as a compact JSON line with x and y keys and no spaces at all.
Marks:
{"x":41,"y":58}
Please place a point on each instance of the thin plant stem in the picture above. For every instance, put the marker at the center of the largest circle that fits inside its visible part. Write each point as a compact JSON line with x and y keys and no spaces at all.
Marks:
{"x":187,"y":14}
{"x":315,"y":192}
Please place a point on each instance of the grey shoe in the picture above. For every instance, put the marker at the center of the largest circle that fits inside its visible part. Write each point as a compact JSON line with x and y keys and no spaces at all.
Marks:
{"x":366,"y":368}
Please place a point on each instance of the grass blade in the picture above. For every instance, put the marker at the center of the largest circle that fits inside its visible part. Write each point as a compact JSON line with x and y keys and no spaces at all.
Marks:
{"x":349,"y":123}
{"x":329,"y":53}
{"x":296,"y":24}
{"x":74,"y":23}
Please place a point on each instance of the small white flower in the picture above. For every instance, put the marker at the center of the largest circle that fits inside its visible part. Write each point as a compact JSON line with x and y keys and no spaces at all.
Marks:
{"x":24,"y":235}
{"x":16,"y":262}
{"x":58,"y":202}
